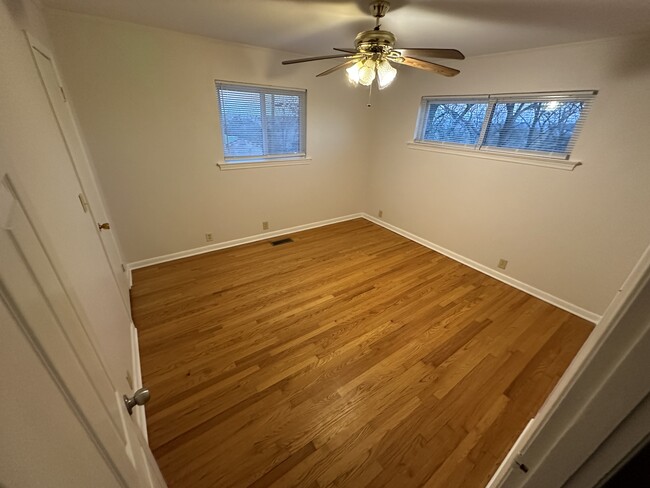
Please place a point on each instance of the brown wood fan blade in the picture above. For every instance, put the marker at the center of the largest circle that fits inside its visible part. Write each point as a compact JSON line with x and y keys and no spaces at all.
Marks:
{"x":430,"y":52}
{"x":315,"y":58}
{"x":339,"y":66}
{"x":426,"y":65}
{"x":346,"y":50}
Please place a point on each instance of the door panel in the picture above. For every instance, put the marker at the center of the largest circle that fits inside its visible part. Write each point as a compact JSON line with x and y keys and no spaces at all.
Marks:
{"x":37,"y":407}
{"x":76,"y":388}
{"x":19,"y":246}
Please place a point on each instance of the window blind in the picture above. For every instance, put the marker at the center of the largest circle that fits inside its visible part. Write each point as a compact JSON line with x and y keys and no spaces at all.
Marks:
{"x":545,"y":125}
{"x":456,"y":122}
{"x":542,"y":124}
{"x":260,"y":123}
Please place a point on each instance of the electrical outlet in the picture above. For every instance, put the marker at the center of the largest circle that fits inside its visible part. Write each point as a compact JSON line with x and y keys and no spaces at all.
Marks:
{"x":208,"y":237}
{"x":265,"y":225}
{"x":503,"y":263}
{"x":380,"y":214}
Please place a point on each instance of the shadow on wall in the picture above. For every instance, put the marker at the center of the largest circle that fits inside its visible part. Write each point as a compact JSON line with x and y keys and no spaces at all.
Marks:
{"x":635,"y":59}
{"x":599,"y":16}
{"x":275,"y":69}
{"x":15,"y":9}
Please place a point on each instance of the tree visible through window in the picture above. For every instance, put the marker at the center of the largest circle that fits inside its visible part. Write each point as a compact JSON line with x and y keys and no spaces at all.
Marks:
{"x":459,"y":123}
{"x":261,"y":123}
{"x":545,"y":124}
{"x":535,"y":126}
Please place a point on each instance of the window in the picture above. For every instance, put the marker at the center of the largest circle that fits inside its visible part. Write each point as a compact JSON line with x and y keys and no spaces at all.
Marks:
{"x":260,"y":123}
{"x":544,"y":125}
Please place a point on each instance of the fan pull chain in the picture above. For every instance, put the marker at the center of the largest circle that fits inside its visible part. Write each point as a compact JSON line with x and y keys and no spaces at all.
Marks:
{"x":370,"y":94}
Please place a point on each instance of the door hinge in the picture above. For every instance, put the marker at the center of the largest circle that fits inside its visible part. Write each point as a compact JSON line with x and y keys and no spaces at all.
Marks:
{"x":63,"y":94}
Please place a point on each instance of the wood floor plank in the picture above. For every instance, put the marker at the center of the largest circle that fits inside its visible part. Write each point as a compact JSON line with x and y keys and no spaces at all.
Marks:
{"x":348,"y":357}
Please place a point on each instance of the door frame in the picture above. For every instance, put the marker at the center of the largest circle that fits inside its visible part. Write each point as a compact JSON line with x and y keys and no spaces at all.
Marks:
{"x":579,"y":415}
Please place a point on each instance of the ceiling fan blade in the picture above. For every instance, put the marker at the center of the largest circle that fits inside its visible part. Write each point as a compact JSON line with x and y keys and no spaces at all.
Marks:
{"x":339,"y":66}
{"x":347,"y":50}
{"x":426,"y":65}
{"x":315,"y":58}
{"x":430,"y":52}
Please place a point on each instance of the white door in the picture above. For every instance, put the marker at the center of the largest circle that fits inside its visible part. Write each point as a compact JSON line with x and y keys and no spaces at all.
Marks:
{"x":63,"y":422}
{"x":90,"y":197}
{"x":75,"y":237}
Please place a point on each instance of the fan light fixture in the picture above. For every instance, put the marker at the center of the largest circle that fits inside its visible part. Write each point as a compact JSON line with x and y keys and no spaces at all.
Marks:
{"x":364,"y":71}
{"x":374,"y":54}
{"x":386,"y":72}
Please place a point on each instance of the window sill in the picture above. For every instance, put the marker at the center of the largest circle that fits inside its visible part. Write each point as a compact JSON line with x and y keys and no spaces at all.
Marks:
{"x":566,"y":165}
{"x":262,"y":164}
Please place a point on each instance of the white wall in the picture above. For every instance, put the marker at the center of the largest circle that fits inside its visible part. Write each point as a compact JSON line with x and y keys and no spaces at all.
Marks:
{"x":575,"y":235}
{"x":146,"y":101}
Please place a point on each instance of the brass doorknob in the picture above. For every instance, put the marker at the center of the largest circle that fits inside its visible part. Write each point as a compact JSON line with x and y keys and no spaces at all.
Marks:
{"x":104,"y":226}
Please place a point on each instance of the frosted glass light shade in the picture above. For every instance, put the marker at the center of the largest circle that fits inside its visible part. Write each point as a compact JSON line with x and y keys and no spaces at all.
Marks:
{"x":386,"y":73}
{"x":353,"y":72}
{"x":367,"y":73}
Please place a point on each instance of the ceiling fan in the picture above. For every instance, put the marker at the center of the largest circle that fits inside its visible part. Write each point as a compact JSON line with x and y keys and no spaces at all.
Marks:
{"x":375,"y":51}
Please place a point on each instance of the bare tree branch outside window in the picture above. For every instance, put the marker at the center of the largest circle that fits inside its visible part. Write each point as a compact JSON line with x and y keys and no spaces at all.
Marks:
{"x":547,"y":125}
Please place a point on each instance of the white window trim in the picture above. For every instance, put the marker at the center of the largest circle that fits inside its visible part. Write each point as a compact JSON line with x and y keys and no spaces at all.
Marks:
{"x":263,"y":163}
{"x":546,"y":162}
{"x":497,"y":154}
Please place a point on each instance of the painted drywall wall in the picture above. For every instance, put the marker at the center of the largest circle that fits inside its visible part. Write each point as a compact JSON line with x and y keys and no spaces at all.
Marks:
{"x":32,"y":151}
{"x":575,"y":235}
{"x":146,"y":102}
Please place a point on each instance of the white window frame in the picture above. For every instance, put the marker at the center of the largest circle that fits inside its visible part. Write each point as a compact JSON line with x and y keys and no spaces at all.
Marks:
{"x":538,"y":158}
{"x":266,"y":160}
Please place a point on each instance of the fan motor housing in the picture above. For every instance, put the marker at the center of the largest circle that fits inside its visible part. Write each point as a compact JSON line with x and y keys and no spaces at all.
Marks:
{"x":375,"y":41}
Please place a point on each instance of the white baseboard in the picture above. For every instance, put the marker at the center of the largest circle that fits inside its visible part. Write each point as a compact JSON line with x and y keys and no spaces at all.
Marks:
{"x":139,"y":414}
{"x":238,"y":242}
{"x":542,"y":295}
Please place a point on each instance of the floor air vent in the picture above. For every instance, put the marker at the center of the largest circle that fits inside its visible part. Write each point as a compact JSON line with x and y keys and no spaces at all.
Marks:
{"x":281,"y":241}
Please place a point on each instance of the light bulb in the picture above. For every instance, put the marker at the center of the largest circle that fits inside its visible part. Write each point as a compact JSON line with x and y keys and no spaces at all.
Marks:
{"x":386,"y":73}
{"x":367,"y":73}
{"x":353,"y":72}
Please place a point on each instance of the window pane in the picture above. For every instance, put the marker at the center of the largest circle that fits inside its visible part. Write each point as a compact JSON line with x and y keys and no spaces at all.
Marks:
{"x":241,"y":119}
{"x":261,"y":122}
{"x":458,"y":123}
{"x":545,"y":126}
{"x":283,"y":115}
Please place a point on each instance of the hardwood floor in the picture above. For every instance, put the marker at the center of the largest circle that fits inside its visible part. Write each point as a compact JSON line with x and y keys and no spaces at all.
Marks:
{"x":349,"y":357}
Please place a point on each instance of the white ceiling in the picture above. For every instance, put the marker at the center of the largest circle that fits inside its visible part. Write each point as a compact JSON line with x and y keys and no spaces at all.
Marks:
{"x":316,"y":26}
